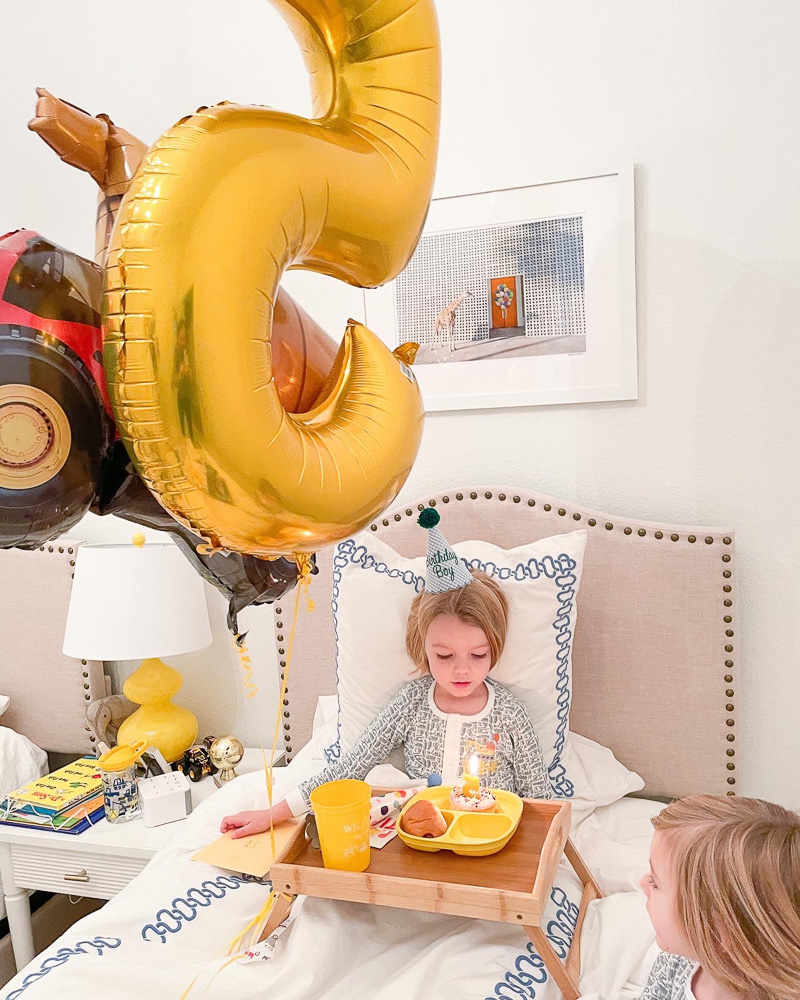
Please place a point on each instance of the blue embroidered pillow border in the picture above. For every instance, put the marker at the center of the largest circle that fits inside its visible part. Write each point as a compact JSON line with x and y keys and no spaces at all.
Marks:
{"x":560,"y":569}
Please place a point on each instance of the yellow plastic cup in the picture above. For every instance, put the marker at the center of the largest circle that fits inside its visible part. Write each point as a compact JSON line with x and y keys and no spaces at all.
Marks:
{"x":341,"y":809}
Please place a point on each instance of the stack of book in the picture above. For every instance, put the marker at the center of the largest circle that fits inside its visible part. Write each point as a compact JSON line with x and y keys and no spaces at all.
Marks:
{"x":68,"y":800}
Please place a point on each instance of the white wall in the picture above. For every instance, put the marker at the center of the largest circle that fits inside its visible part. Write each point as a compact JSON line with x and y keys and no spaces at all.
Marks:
{"x":704,"y":98}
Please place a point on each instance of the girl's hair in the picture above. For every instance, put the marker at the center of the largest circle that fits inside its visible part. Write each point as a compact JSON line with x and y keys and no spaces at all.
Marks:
{"x":480,"y":603}
{"x":737,"y":868}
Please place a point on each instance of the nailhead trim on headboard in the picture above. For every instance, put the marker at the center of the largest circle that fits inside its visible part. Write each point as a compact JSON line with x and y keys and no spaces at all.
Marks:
{"x":84,"y":663}
{"x":286,"y":710}
{"x":727,"y":602}
{"x":591,"y":521}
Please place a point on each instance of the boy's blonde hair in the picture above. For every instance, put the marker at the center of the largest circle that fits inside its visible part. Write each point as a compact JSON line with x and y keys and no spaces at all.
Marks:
{"x":737,"y":867}
{"x":480,"y":603}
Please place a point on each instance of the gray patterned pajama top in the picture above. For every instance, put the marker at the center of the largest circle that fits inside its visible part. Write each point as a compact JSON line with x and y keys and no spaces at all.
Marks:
{"x":501,"y":736}
{"x":670,"y":978}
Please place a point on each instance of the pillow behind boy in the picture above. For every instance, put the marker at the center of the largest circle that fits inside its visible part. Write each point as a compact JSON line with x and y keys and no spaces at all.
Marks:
{"x":373,"y":587}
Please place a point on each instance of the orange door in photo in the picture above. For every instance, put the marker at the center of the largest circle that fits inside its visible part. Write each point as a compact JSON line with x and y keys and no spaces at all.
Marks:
{"x":504,"y":301}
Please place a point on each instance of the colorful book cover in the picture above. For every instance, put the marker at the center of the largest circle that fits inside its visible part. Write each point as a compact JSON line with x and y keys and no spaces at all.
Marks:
{"x":75,"y":825}
{"x":42,"y":817}
{"x":37,"y":809}
{"x":62,"y":788}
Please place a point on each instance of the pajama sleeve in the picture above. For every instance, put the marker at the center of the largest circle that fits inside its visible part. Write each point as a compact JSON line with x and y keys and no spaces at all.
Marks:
{"x":530,"y":773}
{"x":386,"y":731}
{"x":668,"y":978}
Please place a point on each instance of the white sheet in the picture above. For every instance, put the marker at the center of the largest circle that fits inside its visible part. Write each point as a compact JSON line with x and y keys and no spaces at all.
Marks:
{"x":20,"y":762}
{"x":176,"y":919}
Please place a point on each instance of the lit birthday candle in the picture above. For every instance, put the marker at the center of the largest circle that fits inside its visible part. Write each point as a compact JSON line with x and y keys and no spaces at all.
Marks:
{"x":470,"y":782}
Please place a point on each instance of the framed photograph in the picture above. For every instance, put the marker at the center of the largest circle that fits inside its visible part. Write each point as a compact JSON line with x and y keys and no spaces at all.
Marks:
{"x":520,"y":297}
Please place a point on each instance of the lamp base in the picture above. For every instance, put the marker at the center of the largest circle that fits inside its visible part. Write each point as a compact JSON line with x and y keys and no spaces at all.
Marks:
{"x":170,"y":728}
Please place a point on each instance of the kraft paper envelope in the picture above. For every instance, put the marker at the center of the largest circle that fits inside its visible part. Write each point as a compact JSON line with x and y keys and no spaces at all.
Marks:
{"x":248,"y":855}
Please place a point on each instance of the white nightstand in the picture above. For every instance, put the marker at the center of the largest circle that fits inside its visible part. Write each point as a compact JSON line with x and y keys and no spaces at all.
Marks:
{"x":97,"y":863}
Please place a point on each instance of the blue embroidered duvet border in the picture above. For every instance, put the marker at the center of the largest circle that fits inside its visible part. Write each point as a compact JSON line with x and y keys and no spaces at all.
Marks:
{"x":97,"y":945}
{"x":520,"y":981}
{"x":529,"y":970}
{"x":184,"y":908}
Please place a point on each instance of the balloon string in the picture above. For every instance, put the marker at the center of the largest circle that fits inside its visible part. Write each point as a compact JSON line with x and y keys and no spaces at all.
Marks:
{"x":250,"y":685}
{"x":268,"y":779}
{"x":304,"y":565}
{"x":258,"y":922}
{"x":235,"y":950}
{"x":191,"y":985}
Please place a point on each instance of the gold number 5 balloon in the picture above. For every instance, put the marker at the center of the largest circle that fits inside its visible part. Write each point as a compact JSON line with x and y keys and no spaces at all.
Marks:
{"x":221,"y":205}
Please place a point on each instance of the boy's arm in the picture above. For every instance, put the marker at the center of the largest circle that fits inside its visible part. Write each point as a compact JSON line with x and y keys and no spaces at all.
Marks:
{"x":665,"y":982}
{"x":667,"y":979}
{"x":386,"y":731}
{"x":530,"y":773}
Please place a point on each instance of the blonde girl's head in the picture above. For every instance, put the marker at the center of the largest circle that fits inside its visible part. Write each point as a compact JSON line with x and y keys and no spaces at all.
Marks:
{"x":481,"y":603}
{"x":736,"y":866}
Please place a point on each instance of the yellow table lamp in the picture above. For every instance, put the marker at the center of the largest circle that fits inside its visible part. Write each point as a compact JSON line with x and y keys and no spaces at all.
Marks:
{"x":138,"y":601}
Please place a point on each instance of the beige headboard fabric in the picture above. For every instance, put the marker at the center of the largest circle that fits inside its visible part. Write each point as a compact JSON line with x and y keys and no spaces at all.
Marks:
{"x":655,"y":647}
{"x":49,"y":691}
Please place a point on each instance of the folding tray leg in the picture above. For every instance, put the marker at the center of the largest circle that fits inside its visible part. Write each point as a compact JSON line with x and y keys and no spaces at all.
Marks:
{"x":581,"y":870}
{"x":279,"y":912}
{"x":567,"y":974}
{"x":556,"y":968}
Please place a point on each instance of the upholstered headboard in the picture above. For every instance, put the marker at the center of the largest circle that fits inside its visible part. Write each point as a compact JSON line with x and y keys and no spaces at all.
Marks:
{"x":49,"y":691}
{"x":655,"y":645}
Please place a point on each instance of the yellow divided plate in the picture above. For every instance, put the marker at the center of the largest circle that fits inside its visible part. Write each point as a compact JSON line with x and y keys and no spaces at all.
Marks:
{"x":471,"y":833}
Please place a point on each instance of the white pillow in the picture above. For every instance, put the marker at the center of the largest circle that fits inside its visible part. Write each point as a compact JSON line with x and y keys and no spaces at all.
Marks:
{"x":373,"y":587}
{"x":596,"y":776}
{"x":22,"y":761}
{"x":326,"y":710}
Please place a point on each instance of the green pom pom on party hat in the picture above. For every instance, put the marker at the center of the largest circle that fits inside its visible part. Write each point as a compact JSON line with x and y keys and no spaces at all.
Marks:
{"x":443,"y":569}
{"x":428,"y":518}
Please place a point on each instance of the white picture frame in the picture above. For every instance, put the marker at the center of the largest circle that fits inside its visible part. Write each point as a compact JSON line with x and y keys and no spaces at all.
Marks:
{"x":471,"y":370}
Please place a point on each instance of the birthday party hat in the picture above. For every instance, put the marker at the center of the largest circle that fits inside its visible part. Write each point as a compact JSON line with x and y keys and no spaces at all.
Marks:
{"x":444,"y":570}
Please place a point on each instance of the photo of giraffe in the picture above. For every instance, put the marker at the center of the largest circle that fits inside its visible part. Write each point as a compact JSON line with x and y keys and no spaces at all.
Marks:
{"x":495,"y":292}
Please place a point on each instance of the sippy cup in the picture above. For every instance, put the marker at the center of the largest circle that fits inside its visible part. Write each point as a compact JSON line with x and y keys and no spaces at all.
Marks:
{"x":120,"y":794}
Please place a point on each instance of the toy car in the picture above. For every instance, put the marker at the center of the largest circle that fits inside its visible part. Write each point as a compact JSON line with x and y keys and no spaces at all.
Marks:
{"x":196,"y":763}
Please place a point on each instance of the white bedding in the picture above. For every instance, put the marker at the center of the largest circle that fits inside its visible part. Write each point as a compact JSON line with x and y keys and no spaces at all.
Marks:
{"x":176,"y":919}
{"x":20,"y":762}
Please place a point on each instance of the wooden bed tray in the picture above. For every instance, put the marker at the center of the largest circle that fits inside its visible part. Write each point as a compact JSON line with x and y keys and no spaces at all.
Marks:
{"x":512,"y":886}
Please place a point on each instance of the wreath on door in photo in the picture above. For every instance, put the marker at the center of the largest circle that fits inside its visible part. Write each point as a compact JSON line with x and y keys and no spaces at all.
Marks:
{"x":503,"y":297}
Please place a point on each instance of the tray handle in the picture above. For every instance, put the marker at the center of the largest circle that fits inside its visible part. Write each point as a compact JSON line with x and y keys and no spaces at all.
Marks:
{"x":552,"y":851}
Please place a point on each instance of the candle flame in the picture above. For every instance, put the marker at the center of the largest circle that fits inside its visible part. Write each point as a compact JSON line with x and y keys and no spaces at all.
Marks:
{"x":472,"y":765}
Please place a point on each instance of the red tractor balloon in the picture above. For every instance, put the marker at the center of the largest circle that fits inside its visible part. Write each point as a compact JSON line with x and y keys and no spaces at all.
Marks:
{"x":59,"y":452}
{"x":56,"y":427}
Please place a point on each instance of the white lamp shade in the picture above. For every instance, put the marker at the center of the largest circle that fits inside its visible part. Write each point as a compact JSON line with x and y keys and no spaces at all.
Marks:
{"x":131,"y":602}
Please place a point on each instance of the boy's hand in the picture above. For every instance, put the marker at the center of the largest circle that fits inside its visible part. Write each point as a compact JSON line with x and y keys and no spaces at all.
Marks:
{"x":245,"y":824}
